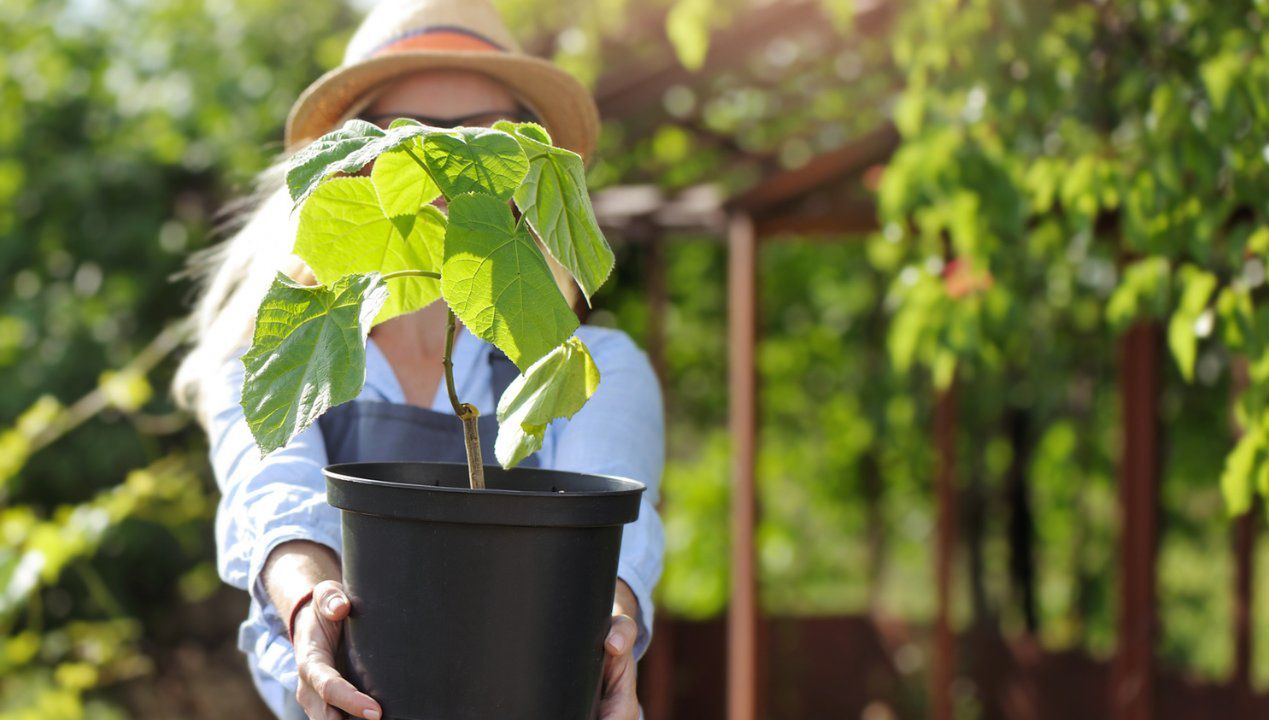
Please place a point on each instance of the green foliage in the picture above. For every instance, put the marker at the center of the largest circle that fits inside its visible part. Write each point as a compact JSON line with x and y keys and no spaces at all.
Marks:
{"x":498,"y":283}
{"x":344,"y":150}
{"x":401,"y":182}
{"x":308,"y":353}
{"x":346,"y":230}
{"x":553,"y":200}
{"x":557,"y":386}
{"x":476,"y":160}
{"x":1121,"y":144}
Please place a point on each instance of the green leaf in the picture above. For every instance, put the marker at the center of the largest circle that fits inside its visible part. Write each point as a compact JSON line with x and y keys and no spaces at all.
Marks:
{"x":687,"y":25}
{"x":497,"y":282}
{"x":343,"y":230}
{"x":475,"y":160}
{"x":308,"y":354}
{"x":345,"y":150}
{"x":1236,"y":480}
{"x":553,"y":199}
{"x":557,"y":386}
{"x":402,"y":184}
{"x":1219,"y":75}
{"x":1198,"y":286}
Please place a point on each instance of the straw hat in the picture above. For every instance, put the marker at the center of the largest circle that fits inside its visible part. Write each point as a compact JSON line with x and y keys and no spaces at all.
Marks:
{"x":399,"y":37}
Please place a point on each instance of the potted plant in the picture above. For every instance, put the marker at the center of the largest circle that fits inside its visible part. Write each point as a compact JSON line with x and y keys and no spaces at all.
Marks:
{"x":477,"y":592}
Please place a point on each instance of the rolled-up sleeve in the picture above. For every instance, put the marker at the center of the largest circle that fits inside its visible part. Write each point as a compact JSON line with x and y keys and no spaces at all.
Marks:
{"x":264,"y":501}
{"x":621,"y":431}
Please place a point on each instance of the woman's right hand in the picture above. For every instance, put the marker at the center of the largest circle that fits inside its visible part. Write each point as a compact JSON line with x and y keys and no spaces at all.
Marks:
{"x":322,"y":692}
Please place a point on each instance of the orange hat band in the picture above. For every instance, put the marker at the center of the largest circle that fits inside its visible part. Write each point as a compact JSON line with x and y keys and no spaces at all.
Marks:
{"x":440,"y":38}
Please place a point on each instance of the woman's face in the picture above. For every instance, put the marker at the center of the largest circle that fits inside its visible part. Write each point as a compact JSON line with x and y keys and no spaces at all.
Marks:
{"x":444,"y":97}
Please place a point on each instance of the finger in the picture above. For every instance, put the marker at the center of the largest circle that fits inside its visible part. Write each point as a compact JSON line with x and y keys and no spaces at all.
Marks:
{"x":313,"y":707}
{"x":332,"y":689}
{"x":621,"y":636}
{"x":330,"y":600}
{"x":620,"y":700}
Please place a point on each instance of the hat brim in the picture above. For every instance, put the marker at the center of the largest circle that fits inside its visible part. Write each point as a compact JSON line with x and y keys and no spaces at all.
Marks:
{"x":563,"y":104}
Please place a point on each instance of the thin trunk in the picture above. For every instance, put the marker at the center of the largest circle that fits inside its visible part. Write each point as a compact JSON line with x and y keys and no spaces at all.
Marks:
{"x":465,"y":411}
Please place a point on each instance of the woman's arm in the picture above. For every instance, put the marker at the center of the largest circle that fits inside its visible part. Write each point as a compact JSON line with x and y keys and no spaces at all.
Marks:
{"x":621,"y":431}
{"x":277,"y":538}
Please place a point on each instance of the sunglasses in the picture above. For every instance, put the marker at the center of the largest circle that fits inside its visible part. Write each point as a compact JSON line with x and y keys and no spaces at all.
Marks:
{"x":481,"y":119}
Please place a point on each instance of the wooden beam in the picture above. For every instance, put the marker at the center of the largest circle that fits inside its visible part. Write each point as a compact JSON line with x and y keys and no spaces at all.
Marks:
{"x":851,"y":218}
{"x":742,"y":616}
{"x":872,"y":147}
{"x":1133,"y":670}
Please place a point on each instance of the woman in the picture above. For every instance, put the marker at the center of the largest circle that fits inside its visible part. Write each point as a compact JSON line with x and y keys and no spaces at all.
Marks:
{"x":446,"y":62}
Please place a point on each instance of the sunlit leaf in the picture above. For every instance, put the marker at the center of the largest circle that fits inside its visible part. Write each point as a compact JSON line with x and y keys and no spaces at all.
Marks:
{"x":343,"y":231}
{"x":1236,"y":480}
{"x":1197,"y":289}
{"x":475,"y":160}
{"x":554,"y":201}
{"x":401,"y":182}
{"x":308,"y":354}
{"x":498,"y":283}
{"x":557,"y":386}
{"x":687,"y":25}
{"x":345,"y":150}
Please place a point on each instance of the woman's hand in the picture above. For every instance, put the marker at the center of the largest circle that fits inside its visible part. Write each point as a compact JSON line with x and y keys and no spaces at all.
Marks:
{"x":322,"y":691}
{"x":619,"y":700}
{"x":290,"y":570}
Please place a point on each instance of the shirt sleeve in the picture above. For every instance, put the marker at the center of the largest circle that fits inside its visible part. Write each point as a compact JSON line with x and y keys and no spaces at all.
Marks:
{"x":265,"y":501}
{"x":621,"y":431}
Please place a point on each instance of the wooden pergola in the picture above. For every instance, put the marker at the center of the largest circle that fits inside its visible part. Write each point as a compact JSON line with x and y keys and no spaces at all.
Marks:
{"x":823,"y":200}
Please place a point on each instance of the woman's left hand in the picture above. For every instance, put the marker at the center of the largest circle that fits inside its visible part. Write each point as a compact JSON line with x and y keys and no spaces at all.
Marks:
{"x":619,"y":700}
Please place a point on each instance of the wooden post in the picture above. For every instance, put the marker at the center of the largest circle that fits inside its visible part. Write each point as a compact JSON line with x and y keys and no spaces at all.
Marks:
{"x":1133,"y":677}
{"x":742,"y":326}
{"x":656,"y":676}
{"x":1245,"y":527}
{"x":943,"y":669}
{"x":1244,"y":577}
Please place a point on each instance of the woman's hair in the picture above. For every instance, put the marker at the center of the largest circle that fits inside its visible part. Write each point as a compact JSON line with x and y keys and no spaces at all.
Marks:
{"x":232,"y":278}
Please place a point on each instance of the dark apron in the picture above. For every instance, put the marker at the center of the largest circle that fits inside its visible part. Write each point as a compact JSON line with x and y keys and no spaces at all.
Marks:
{"x":376,"y":430}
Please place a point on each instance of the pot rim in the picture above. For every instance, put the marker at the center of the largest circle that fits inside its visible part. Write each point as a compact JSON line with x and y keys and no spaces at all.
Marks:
{"x":438,"y":492}
{"x":632,"y":487}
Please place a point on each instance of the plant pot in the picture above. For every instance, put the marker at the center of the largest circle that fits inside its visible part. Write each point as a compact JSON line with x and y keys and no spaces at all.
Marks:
{"x":479,"y":604}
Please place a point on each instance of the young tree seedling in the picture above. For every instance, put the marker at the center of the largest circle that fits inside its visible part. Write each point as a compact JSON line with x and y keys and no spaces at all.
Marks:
{"x":380,"y":247}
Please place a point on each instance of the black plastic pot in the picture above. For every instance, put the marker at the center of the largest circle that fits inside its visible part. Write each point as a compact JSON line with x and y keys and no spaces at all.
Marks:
{"x":479,"y":605}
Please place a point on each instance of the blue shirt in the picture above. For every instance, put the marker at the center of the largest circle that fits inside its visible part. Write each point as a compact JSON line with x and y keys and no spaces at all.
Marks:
{"x":271,"y":500}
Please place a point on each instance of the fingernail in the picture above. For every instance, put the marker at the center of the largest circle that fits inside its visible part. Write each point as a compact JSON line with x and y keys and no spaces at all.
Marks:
{"x":334,"y":604}
{"x":618,"y":642}
{"x":371,"y":715}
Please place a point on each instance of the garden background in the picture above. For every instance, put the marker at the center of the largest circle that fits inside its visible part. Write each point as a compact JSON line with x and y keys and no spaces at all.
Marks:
{"x":1060,"y":172}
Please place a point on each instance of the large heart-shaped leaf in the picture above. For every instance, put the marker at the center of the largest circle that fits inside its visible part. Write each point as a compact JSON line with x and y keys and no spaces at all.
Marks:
{"x":400,"y":180}
{"x":475,"y":160}
{"x":557,"y":386}
{"x":554,"y":200}
{"x":345,"y":150}
{"x":498,"y":283}
{"x":307,"y":355}
{"x":343,"y":230}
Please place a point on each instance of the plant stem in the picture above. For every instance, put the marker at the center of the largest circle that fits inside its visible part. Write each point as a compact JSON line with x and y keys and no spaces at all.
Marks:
{"x":465,"y":411}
